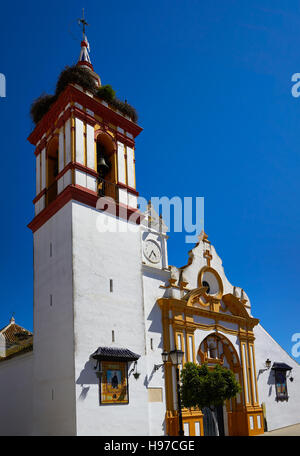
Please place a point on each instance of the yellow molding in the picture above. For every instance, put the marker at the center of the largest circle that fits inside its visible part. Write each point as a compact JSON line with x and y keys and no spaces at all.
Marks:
{"x":217,"y":276}
{"x":84,"y":145}
{"x":180,"y":306}
{"x":126,"y":164}
{"x":72,"y":126}
{"x":41,"y":171}
{"x":253,"y":371}
{"x":133,"y":164}
{"x":168,"y":365}
{"x":65,"y":153}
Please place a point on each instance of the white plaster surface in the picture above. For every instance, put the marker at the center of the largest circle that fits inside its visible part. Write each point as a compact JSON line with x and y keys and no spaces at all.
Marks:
{"x":16,"y":391}
{"x":79,"y":141}
{"x":279,"y":414}
{"x":68,"y":141}
{"x":121,"y":163}
{"x":53,"y":368}
{"x":90,"y":147}
{"x":153,"y":278}
{"x":130,"y":167}
{"x":80,"y":178}
{"x":97,"y":258}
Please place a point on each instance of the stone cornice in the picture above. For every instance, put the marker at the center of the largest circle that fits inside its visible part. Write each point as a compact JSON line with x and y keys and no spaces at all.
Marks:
{"x":245,"y":322}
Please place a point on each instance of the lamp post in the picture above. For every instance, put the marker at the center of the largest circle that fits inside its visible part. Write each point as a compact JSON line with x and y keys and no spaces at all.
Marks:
{"x":176,"y":358}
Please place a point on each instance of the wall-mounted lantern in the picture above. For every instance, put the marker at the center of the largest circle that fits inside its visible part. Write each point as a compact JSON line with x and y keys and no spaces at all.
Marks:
{"x":136,"y":374}
{"x":268,"y":363}
{"x":165,"y":356}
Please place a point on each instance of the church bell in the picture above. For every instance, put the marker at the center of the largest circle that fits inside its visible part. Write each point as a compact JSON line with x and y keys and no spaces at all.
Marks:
{"x":102,"y":166}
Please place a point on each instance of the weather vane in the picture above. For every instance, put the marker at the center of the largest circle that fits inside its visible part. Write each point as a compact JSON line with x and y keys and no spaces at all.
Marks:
{"x":83,"y":22}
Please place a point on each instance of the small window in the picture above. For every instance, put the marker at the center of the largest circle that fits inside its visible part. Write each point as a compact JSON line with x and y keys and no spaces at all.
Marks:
{"x":206,"y":284}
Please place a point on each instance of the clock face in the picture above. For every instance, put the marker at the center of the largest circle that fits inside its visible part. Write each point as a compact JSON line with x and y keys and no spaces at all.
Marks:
{"x":152,"y":251}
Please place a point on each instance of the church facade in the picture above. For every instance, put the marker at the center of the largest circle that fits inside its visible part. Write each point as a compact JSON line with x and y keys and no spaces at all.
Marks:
{"x":107,"y":304}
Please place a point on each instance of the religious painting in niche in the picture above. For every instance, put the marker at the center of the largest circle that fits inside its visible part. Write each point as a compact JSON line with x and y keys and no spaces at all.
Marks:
{"x":281,"y":386}
{"x":114,"y":385}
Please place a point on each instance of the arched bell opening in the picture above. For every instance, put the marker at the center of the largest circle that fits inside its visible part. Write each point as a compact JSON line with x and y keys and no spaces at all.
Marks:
{"x":52,"y":170}
{"x":106,"y":165}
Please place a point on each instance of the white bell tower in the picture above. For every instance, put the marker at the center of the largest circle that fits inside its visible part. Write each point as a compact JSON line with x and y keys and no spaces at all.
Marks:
{"x":87,"y":279}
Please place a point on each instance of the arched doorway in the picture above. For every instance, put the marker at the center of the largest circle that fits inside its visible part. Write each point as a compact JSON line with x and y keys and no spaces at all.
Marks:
{"x":217,"y":349}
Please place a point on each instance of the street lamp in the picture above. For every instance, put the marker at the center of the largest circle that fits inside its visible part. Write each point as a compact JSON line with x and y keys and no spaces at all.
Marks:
{"x":176,"y":358}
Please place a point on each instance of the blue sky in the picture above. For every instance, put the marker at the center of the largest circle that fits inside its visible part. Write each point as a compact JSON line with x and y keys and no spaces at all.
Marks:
{"x":212,"y":84}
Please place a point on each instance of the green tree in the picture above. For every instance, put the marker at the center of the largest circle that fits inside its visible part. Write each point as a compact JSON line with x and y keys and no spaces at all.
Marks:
{"x":203,"y":387}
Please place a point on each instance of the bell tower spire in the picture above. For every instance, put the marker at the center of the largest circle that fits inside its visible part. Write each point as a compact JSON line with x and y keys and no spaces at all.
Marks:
{"x":84,"y":58}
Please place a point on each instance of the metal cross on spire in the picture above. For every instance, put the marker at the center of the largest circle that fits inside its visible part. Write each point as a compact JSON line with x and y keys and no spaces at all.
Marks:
{"x":83,"y":22}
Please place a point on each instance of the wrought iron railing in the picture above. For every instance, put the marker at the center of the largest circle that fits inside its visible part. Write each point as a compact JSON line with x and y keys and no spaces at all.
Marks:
{"x":106,"y":188}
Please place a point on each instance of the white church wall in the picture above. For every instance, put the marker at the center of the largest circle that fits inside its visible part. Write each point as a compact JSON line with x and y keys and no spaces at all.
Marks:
{"x":54,"y":390}
{"x":16,"y":395}
{"x":100,"y":257}
{"x":152,"y":280}
{"x":279,"y":414}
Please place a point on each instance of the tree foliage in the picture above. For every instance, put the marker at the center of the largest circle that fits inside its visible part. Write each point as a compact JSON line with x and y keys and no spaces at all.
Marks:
{"x":107,"y":93}
{"x":203,"y":387}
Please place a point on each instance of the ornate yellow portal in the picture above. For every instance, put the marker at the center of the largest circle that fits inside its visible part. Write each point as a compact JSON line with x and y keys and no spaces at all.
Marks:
{"x":184,"y":322}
